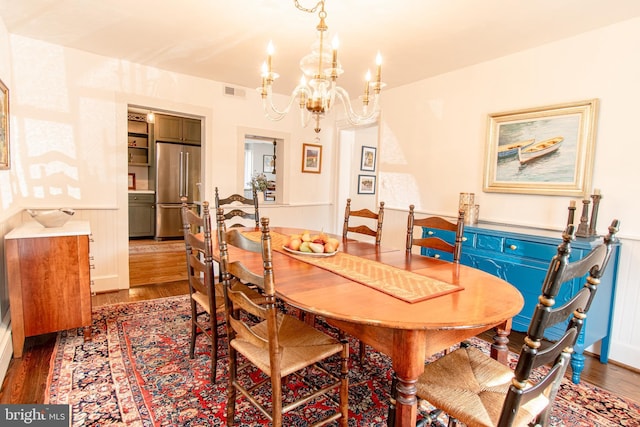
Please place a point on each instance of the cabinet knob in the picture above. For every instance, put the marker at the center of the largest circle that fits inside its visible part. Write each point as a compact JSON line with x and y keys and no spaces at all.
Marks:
{"x":513,"y":247}
{"x":464,"y":239}
{"x":430,"y":233}
{"x":436,"y":256}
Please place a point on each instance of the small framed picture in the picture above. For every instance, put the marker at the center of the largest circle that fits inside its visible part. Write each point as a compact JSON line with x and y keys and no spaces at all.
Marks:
{"x":311,"y":158}
{"x":132,"y":181}
{"x":366,"y":184}
{"x":267,"y":163}
{"x":368,"y":160}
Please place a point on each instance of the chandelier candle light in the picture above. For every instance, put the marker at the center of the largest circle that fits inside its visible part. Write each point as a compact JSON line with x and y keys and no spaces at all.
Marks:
{"x":318,"y":90}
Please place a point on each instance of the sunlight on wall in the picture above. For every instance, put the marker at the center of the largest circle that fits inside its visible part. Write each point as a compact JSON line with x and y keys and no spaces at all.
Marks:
{"x":38,"y":69}
{"x":389,"y":145}
{"x":63,"y":126}
{"x":390,"y":183}
{"x":397,"y":189}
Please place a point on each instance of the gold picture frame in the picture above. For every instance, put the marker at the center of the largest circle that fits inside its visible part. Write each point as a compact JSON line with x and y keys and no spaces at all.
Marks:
{"x":545,"y":150}
{"x":4,"y":126}
{"x":311,"y":158}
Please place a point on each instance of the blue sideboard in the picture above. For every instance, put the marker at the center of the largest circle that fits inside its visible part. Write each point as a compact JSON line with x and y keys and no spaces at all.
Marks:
{"x":521,"y":256}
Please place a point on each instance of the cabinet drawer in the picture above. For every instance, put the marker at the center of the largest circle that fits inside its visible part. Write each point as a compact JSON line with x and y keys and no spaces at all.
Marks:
{"x":525,"y":248}
{"x":489,"y":243}
{"x":446,"y":235}
{"x":142,"y":198}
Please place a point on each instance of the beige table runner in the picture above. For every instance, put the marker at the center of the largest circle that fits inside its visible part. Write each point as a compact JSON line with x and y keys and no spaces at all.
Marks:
{"x":399,"y":283}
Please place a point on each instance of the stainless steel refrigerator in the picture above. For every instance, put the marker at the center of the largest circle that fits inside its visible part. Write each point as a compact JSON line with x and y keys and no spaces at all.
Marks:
{"x":177,"y":176}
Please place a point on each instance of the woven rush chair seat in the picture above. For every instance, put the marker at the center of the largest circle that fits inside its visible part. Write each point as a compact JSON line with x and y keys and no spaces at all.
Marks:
{"x":301,"y":345}
{"x":277,"y":344}
{"x":478,"y":391}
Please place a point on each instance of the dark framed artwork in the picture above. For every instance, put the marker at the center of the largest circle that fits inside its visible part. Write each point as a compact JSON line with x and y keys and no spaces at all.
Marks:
{"x":368,"y":159}
{"x":366,"y":184}
{"x":545,"y":150}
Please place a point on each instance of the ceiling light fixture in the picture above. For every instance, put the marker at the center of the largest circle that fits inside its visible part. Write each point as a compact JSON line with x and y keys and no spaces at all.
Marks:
{"x":317,"y":91}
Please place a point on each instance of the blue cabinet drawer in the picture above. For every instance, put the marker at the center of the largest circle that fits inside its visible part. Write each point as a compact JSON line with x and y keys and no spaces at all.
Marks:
{"x":446,"y":235}
{"x":489,"y":243}
{"x":524,"y":248}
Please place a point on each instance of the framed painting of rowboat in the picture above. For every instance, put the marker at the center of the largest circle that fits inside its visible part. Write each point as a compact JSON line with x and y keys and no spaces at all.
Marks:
{"x":546,"y":150}
{"x":4,"y":126}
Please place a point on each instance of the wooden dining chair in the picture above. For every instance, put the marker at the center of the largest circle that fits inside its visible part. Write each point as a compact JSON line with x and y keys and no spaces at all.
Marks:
{"x":205,"y":301}
{"x":240,"y":209}
{"x":365,"y":230}
{"x":433,"y":240}
{"x":277,"y":344}
{"x":477,"y":390}
{"x":206,"y":297}
{"x":362,"y":228}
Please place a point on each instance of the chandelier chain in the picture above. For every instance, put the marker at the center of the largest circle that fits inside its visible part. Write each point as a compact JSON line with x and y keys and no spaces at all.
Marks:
{"x":314,"y":9}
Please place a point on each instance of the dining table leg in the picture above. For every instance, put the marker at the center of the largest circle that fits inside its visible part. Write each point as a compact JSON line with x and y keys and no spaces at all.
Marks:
{"x":408,"y":363}
{"x":500,"y":345}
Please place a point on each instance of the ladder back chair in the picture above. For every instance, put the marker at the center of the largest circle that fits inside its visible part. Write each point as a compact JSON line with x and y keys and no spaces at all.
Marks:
{"x":206,"y":297}
{"x":361,"y":228}
{"x":367,"y":231}
{"x":433,"y":241}
{"x":479,"y":391}
{"x":205,"y":300}
{"x":239,"y":209}
{"x":277,"y":344}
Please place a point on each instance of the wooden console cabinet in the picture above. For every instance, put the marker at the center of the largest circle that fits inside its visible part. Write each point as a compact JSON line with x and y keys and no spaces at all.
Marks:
{"x":521,"y":257}
{"x":49,"y":280}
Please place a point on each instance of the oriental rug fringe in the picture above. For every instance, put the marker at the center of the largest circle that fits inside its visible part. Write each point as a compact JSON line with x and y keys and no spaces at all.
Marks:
{"x":136,"y":371}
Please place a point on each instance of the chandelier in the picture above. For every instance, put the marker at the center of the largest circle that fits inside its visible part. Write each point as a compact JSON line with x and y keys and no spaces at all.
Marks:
{"x":318,"y":91}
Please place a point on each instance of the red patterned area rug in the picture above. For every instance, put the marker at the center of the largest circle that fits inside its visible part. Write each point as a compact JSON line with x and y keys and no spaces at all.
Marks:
{"x":136,"y":372}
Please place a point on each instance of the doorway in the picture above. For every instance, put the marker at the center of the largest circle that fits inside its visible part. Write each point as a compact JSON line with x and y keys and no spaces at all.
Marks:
{"x":156,"y":248}
{"x":351,"y":139}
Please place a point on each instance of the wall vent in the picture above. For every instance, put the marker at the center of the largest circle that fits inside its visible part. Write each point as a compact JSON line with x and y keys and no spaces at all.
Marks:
{"x":234,"y":91}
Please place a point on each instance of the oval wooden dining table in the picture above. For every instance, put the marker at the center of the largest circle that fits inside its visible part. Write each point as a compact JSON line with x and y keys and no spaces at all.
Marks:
{"x":408,"y":332}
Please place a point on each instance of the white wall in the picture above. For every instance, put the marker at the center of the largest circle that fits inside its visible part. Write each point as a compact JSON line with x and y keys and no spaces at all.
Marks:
{"x":433,"y":139}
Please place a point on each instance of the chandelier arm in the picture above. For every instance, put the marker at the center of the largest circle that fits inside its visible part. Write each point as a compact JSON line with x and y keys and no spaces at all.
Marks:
{"x":274,"y":113}
{"x":367,"y":116}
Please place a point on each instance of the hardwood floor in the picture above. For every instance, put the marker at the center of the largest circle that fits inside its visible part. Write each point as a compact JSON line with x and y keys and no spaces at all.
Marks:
{"x":167,"y":263}
{"x":26,"y":379}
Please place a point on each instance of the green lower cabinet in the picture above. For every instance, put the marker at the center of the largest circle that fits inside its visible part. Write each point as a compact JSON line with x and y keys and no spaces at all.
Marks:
{"x":142,"y":215}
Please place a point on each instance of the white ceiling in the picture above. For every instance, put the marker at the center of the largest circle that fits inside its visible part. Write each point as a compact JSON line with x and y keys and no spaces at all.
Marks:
{"x":225,"y":40}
